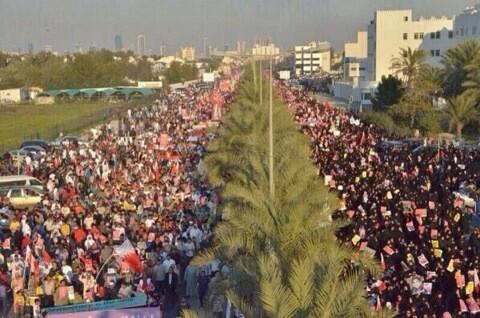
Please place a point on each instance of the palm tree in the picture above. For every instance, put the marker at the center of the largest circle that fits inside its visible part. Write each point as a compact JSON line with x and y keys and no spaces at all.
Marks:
{"x":460,"y":111}
{"x":282,"y":254}
{"x":472,"y":83}
{"x":456,"y":62}
{"x":408,"y":64}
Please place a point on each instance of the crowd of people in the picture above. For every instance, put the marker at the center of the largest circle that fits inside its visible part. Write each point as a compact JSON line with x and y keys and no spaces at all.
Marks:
{"x":138,"y":180}
{"x":407,"y":207}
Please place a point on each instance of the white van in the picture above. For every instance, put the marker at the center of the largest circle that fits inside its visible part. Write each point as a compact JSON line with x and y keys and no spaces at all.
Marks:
{"x":20,"y":181}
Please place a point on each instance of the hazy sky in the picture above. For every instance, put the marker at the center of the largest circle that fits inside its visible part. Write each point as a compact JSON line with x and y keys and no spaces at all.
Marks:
{"x":67,"y":23}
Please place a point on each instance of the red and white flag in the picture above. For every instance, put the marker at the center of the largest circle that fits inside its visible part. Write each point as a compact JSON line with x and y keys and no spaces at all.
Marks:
{"x":47,"y":259}
{"x":382,"y":262}
{"x":31,"y":261}
{"x":128,"y":255}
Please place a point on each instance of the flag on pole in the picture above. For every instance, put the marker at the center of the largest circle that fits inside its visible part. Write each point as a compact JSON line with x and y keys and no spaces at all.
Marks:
{"x":128,"y":255}
{"x":31,"y":261}
{"x":47,"y":259}
{"x":28,"y":255}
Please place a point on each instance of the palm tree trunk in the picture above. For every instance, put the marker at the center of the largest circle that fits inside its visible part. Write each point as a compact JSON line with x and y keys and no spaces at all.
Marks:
{"x":254,"y":62}
{"x":412,"y":116}
{"x":459,"y":130}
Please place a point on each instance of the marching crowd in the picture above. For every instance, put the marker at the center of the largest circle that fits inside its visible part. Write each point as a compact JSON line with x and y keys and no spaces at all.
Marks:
{"x":138,"y":184}
{"x":406,"y":208}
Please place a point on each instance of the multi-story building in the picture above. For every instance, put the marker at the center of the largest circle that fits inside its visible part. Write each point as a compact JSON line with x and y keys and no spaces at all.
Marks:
{"x":265,"y":50}
{"x":355,"y":85}
{"x":391,"y":31}
{"x":187,"y":53}
{"x":466,"y":25}
{"x":388,"y":33}
{"x":241,"y":45}
{"x":163,"y":50}
{"x":355,"y":58}
{"x":206,"y":53}
{"x":313,"y":58}
{"x":141,"y":44}
{"x":118,"y":43}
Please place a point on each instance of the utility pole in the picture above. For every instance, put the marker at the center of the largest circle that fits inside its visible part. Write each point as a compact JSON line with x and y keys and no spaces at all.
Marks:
{"x":261,"y":82}
{"x":272,"y":184}
{"x":254,"y":67}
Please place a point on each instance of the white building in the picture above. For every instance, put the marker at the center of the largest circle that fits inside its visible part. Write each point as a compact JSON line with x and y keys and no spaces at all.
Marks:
{"x":355,"y":85}
{"x":14,"y":95}
{"x":313,"y":58}
{"x":391,"y":31}
{"x":187,"y":53}
{"x":265,"y":50}
{"x":168,"y":60}
{"x":466,"y":25}
{"x":355,"y":58}
{"x":388,"y":33}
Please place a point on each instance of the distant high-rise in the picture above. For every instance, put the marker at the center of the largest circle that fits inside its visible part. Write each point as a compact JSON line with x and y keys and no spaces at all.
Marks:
{"x":30,"y":48}
{"x":241,"y":47}
{"x":163,"y":50}
{"x":118,"y":43}
{"x":141,"y":44}
{"x":187,"y":53}
{"x":205,"y":47}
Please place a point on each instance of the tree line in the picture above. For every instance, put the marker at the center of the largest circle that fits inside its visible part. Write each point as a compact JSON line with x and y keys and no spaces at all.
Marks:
{"x":281,"y":251}
{"x":431,"y":99}
{"x":94,"y":69}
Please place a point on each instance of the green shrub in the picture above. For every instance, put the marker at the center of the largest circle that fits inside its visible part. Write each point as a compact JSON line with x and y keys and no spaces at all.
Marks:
{"x":385,"y":122}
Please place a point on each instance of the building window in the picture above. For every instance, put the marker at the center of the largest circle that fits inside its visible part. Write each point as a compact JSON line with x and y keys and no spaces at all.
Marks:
{"x":432,"y":52}
{"x":450,"y":34}
{"x":432,"y":35}
{"x":405,"y":19}
{"x":466,"y":31}
{"x":474,"y":30}
{"x":405,"y":36}
{"x":462,"y":31}
{"x":415,"y":36}
{"x":437,"y":52}
{"x":367,"y":96}
{"x":457,"y":33}
{"x":437,"y":35}
{"x":421,"y":35}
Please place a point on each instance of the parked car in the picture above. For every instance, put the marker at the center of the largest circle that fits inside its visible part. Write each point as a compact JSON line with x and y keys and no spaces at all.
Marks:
{"x":425,"y":150}
{"x":8,"y":182}
{"x":36,"y":142}
{"x":22,"y":197}
{"x":392,"y":145}
{"x":18,"y":154}
{"x":34,"y":151}
{"x":69,"y":139}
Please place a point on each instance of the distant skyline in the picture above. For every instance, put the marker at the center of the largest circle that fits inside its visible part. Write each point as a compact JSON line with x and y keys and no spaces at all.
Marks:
{"x":66,"y":24}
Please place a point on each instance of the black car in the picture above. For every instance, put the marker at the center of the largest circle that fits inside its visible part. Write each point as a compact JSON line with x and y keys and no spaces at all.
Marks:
{"x":396,"y":145}
{"x":35,"y":142}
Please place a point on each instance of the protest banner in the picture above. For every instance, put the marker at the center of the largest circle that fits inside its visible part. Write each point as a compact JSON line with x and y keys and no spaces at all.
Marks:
{"x":145,"y":312}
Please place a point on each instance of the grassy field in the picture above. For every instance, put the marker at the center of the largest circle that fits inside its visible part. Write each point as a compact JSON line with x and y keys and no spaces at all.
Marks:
{"x":21,"y":122}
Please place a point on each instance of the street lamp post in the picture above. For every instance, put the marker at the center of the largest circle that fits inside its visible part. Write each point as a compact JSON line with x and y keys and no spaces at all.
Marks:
{"x":272,"y":185}
{"x":261,"y":82}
